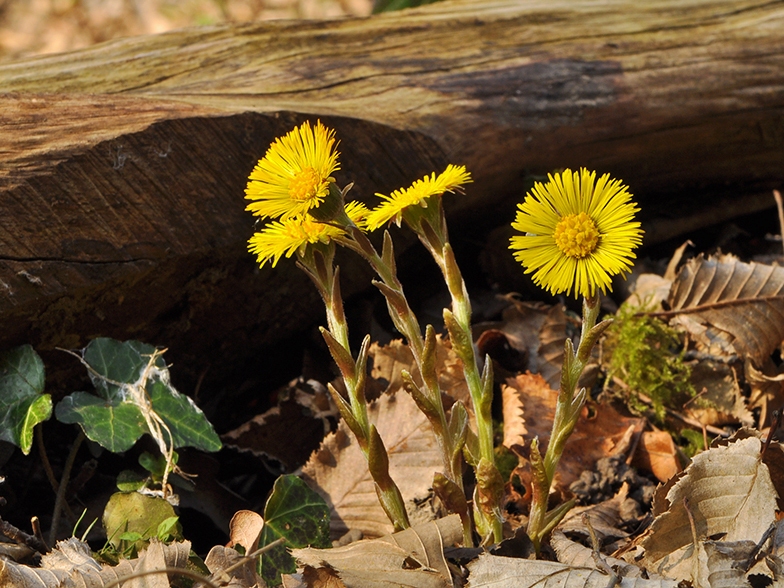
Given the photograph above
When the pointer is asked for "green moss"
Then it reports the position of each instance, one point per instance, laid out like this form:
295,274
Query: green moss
643,352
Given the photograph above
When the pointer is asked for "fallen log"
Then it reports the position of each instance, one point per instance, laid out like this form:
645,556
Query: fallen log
122,166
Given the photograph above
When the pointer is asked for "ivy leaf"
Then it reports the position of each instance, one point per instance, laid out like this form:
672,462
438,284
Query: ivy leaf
113,419
22,402
299,514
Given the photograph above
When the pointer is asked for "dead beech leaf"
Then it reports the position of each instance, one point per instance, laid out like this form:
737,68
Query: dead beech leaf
390,360
514,417
729,493
338,470
649,291
767,389
304,407
509,572
550,354
603,517
656,453
221,558
592,439
723,401
575,554
730,307
414,557
723,562
244,529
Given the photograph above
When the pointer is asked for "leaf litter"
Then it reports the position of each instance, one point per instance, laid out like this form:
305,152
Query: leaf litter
713,523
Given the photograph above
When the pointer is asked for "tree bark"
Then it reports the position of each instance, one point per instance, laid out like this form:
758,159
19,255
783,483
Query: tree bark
122,166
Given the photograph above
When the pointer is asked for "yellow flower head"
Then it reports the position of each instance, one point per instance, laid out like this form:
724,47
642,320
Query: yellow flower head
295,173
285,237
450,180
579,232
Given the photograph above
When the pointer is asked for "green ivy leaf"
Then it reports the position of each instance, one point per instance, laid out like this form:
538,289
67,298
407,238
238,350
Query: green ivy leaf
299,514
113,420
22,402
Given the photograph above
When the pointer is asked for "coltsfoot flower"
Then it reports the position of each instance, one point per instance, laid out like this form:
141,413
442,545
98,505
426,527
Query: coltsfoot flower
579,232
394,205
285,237
294,175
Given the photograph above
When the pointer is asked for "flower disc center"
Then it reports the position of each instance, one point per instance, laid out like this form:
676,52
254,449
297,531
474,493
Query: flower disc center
576,235
304,185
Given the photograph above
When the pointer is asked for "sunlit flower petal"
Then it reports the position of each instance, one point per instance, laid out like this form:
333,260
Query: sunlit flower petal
392,207
285,237
578,232
294,175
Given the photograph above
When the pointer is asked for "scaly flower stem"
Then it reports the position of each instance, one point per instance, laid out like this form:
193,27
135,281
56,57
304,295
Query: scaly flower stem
567,412
431,229
317,263
423,350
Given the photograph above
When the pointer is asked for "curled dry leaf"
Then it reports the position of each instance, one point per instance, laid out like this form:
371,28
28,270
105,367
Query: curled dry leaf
338,470
221,558
71,564
244,529
723,402
730,307
729,493
605,518
656,453
414,558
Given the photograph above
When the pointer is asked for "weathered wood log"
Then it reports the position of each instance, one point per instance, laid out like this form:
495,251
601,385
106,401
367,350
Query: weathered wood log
122,166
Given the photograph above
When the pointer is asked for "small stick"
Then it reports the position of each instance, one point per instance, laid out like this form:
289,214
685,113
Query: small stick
20,536
58,504
780,206
773,428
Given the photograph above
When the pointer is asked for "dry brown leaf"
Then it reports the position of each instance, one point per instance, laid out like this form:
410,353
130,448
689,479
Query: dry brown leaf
304,407
338,470
592,439
390,360
729,494
649,291
514,417
508,572
71,564
603,517
723,562
730,307
767,389
656,453
575,554
414,557
723,402
520,323
321,578
221,558
244,529
550,353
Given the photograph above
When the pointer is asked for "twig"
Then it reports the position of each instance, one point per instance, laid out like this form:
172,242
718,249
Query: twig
58,505
35,524
780,206
39,438
773,428
20,536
